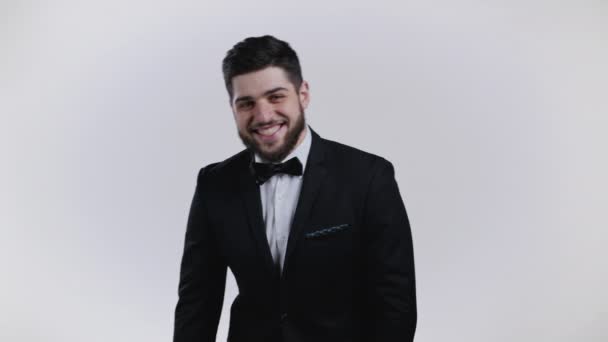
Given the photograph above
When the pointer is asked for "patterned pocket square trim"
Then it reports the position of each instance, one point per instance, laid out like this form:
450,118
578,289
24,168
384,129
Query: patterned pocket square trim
327,231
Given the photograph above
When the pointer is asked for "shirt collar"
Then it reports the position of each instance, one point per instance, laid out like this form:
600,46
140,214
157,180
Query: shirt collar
300,151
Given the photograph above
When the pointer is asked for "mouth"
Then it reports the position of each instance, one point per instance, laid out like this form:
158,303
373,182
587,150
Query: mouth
268,133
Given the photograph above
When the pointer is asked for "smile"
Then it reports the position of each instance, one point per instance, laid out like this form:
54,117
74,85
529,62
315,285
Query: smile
271,133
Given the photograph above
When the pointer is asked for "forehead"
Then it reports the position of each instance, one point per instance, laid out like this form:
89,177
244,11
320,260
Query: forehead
257,82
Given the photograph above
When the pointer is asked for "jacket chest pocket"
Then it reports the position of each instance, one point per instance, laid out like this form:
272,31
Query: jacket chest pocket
331,241
327,232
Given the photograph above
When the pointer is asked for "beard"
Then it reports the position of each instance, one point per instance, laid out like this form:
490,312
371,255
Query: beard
289,143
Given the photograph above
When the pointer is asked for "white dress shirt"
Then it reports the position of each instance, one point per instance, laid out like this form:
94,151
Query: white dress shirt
280,195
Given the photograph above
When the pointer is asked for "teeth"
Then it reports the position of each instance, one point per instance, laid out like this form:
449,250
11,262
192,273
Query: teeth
269,131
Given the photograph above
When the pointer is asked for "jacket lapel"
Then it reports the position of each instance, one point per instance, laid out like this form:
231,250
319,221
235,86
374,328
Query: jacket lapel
311,183
253,206
312,179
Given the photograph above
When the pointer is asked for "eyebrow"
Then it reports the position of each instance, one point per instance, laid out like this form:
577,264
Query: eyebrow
268,92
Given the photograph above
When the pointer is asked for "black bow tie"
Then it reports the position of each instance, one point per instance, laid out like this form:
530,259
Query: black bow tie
263,171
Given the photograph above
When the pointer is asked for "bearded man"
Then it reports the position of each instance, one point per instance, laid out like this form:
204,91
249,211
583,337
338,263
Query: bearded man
314,231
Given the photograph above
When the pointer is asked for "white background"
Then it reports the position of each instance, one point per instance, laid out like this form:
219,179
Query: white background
494,114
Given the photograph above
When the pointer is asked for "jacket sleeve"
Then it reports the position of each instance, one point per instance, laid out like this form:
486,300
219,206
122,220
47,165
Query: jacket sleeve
202,275
391,293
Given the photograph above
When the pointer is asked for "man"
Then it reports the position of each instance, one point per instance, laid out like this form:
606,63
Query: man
314,231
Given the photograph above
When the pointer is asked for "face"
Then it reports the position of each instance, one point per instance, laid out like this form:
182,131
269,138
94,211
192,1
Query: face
269,112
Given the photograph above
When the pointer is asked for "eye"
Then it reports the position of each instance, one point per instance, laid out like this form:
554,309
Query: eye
276,97
245,105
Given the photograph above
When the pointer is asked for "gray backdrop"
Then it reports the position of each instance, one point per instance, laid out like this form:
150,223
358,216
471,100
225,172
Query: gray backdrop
494,114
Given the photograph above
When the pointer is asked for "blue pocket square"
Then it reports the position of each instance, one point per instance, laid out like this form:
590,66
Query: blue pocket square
326,231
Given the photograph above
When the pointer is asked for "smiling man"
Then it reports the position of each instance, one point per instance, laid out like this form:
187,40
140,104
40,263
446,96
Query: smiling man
314,231
269,112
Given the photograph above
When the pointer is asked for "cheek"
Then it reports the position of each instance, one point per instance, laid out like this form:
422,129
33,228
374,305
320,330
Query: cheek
290,110
242,120
242,125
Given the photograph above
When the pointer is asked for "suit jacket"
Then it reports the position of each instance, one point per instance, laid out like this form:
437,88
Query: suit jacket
349,267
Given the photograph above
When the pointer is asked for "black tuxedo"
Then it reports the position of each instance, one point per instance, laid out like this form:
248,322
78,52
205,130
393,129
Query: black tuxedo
349,267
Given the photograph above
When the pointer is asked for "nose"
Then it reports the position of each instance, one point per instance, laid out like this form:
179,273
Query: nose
263,112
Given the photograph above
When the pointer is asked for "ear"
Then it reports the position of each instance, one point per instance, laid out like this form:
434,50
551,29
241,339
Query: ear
304,94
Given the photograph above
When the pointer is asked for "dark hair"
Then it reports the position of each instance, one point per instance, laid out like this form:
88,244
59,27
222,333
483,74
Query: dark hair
256,53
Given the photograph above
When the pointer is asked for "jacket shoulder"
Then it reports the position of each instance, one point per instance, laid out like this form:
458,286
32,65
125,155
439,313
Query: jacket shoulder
226,169
343,154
